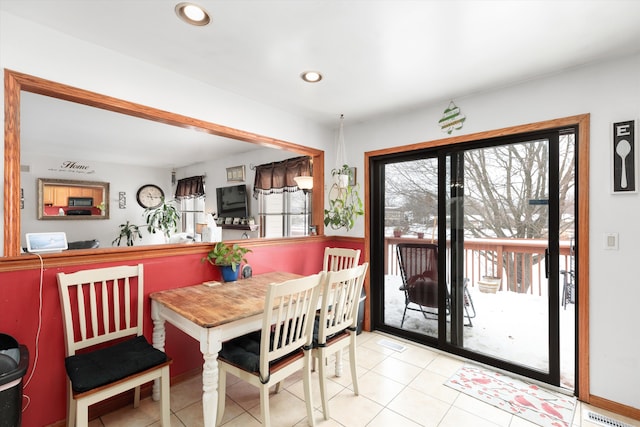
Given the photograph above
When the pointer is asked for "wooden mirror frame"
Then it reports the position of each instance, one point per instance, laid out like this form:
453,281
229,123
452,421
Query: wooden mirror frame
15,82
69,183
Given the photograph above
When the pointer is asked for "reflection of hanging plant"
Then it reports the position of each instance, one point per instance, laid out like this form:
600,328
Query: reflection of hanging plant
164,218
345,204
129,232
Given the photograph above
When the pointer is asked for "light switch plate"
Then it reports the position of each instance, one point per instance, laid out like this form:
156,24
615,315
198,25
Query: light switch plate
611,241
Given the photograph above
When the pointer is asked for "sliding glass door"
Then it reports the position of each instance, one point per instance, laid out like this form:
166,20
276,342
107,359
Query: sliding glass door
471,241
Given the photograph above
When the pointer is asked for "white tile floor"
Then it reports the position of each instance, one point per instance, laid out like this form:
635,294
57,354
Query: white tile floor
396,389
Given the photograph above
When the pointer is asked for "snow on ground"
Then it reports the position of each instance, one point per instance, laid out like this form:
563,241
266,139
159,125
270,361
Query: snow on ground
507,325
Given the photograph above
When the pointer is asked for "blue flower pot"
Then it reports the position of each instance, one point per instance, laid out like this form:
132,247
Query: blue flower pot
228,275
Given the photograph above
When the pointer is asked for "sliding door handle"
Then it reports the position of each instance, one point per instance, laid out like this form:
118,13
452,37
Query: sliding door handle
546,262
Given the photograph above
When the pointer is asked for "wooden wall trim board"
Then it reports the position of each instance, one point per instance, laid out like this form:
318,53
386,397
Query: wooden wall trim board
582,183
618,408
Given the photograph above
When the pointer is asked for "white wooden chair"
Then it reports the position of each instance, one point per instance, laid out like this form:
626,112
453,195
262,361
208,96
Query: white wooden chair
99,307
336,259
337,322
280,349
340,258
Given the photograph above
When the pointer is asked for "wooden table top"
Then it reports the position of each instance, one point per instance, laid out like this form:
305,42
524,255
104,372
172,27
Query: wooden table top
209,307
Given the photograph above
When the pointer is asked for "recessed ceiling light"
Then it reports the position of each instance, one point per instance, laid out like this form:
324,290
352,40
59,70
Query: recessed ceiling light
192,14
311,76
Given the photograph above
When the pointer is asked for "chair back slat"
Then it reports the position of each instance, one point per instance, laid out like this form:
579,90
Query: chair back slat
101,305
340,258
340,301
292,306
81,312
105,307
94,309
418,259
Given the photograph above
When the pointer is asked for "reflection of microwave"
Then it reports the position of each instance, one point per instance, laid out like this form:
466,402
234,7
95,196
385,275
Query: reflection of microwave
80,201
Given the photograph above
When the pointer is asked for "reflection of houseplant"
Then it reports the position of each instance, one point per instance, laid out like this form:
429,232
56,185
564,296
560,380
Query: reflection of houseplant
228,258
344,201
164,218
129,232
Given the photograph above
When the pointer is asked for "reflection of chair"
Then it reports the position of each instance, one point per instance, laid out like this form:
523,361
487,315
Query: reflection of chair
280,349
419,269
340,258
338,321
103,306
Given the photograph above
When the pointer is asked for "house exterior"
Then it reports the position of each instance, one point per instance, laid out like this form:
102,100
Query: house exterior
609,91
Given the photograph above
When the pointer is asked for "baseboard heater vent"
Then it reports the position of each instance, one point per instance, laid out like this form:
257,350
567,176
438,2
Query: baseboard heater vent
603,420
392,345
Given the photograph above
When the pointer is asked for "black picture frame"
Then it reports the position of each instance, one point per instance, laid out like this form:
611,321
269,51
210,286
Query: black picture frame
624,158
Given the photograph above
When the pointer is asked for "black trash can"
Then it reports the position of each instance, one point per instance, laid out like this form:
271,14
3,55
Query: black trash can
14,361
363,297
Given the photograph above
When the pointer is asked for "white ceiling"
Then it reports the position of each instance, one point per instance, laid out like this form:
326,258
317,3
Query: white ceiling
377,57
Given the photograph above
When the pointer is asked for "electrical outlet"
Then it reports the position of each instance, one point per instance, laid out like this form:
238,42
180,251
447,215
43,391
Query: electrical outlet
611,241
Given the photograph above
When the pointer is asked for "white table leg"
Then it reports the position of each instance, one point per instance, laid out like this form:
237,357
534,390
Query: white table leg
210,389
158,340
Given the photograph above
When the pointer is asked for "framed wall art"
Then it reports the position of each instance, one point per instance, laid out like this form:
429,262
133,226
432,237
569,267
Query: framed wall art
352,176
624,158
236,174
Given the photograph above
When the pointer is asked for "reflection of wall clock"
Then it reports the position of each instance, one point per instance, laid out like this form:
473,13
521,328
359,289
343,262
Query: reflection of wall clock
150,196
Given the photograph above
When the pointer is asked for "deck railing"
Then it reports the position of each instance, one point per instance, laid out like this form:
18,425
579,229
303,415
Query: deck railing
519,262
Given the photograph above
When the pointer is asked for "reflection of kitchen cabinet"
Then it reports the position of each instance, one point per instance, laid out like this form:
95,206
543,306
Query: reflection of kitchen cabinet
58,195
47,196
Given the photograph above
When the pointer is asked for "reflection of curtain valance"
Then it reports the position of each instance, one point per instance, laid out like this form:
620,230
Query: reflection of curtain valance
190,187
278,177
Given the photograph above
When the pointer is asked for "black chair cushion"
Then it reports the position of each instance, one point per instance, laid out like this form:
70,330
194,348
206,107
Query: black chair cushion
96,368
243,351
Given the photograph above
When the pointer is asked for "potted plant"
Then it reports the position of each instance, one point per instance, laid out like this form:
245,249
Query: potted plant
489,284
129,232
228,258
397,232
345,204
164,218
341,176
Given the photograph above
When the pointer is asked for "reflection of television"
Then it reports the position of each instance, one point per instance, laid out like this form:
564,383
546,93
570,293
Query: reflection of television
232,201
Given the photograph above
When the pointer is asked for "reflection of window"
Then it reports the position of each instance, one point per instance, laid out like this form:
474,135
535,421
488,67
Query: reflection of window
190,193
192,211
282,209
282,214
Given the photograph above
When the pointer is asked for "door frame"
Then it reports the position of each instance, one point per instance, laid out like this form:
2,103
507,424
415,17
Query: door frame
582,229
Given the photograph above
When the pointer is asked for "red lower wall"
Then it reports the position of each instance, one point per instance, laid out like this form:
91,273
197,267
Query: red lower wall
19,307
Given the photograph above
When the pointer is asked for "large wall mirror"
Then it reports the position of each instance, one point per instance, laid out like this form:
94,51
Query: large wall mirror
66,199
21,88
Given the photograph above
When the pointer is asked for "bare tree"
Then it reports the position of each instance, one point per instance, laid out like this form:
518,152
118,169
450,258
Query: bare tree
505,189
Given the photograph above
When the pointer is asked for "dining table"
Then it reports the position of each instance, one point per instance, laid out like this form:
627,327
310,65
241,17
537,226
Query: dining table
212,313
